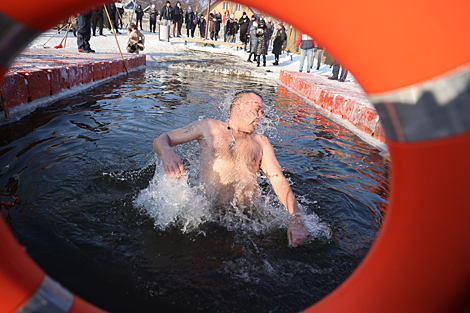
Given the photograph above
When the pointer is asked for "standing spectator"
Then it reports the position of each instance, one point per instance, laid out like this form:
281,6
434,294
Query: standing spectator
262,47
306,47
189,20
236,30
153,18
177,16
136,39
167,13
194,24
344,73
224,21
253,18
270,29
84,32
139,14
97,20
217,25
279,38
230,28
181,21
320,50
213,25
112,16
120,11
253,41
202,26
244,22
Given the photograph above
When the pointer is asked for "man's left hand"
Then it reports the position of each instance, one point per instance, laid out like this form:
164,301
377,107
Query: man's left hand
297,232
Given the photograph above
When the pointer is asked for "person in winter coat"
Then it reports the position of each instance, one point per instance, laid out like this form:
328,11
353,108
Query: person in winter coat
177,17
112,11
279,38
97,20
120,11
253,41
344,73
217,24
139,14
194,24
244,22
230,28
224,21
136,39
213,26
262,47
320,51
270,29
236,30
153,18
84,32
189,20
306,47
166,13
202,26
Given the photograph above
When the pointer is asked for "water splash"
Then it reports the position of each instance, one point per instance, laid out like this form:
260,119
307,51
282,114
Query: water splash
182,203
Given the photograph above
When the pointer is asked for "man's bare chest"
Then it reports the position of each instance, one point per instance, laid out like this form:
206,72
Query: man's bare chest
240,152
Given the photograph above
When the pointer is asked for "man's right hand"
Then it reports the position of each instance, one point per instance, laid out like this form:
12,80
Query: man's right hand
172,163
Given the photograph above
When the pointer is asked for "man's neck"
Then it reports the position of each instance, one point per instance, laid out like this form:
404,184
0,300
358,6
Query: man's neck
236,131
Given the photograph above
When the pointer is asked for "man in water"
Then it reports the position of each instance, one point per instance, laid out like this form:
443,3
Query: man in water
231,157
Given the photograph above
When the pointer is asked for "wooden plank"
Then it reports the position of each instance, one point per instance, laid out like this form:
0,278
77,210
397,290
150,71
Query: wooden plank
211,42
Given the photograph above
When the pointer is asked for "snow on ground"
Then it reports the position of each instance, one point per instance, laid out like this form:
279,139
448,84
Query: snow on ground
224,59
176,51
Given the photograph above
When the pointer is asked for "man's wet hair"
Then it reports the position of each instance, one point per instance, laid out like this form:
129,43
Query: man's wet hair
240,94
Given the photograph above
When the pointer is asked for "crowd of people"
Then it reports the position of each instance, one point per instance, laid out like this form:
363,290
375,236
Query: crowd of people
256,34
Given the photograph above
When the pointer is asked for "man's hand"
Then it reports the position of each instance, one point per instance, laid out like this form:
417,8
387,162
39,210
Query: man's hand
297,232
172,163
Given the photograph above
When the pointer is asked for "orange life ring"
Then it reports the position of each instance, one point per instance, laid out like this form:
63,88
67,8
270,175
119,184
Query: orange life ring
409,56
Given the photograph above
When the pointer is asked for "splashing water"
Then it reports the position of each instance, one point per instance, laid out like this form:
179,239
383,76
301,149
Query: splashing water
182,203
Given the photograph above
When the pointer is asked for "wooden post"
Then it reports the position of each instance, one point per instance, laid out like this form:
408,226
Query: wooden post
207,17
112,28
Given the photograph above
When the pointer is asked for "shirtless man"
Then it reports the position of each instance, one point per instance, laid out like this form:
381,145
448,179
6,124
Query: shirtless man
231,157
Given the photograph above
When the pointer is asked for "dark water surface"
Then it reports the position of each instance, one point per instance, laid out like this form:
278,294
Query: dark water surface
88,200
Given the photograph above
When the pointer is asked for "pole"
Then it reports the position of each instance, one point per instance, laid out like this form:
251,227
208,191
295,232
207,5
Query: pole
112,28
66,25
207,17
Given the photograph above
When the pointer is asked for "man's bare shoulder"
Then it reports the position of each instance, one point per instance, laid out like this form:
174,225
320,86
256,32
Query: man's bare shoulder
263,140
203,126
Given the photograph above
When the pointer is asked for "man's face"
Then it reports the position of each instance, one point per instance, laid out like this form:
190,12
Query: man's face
167,4
251,112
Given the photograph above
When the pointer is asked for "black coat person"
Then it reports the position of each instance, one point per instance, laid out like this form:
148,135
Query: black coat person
84,32
120,11
153,14
139,14
97,20
112,12
166,12
189,20
202,26
244,22
279,38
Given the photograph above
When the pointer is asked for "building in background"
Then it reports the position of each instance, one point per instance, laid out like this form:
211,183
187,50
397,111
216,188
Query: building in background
234,8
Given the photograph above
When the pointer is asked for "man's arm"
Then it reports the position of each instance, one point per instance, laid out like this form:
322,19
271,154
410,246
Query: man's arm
162,145
297,233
